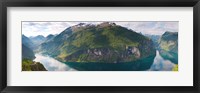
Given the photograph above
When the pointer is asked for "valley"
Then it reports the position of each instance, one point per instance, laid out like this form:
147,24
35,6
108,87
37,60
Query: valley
102,47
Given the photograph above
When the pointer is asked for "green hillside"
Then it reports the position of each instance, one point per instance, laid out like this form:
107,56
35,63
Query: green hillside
28,65
169,46
105,42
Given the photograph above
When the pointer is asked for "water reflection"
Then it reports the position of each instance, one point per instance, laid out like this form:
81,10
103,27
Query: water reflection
139,65
156,64
51,64
172,56
161,64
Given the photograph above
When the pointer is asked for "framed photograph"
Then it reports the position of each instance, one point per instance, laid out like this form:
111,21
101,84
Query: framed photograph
131,46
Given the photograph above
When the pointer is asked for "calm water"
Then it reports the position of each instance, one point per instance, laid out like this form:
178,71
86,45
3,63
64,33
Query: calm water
161,64
52,64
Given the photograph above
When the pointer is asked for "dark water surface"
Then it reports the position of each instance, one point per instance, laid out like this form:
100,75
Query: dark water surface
156,63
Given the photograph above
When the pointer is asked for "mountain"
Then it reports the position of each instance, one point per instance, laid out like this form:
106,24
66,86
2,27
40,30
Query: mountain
27,53
27,42
51,47
154,38
37,40
104,43
169,42
49,37
29,65
168,46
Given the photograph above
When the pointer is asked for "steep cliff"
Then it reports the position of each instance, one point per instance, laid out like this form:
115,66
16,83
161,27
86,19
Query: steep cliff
168,46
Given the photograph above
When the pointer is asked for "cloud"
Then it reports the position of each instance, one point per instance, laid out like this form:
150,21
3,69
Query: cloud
43,28
149,27
156,28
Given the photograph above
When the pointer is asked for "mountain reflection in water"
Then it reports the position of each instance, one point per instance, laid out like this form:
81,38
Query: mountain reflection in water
161,64
52,64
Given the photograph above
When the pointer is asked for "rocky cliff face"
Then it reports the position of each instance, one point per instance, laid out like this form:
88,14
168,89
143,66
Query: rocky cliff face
104,55
105,42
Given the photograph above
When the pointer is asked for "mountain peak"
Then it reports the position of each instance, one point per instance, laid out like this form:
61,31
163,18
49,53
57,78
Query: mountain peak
40,36
170,36
23,35
81,24
50,35
170,33
105,24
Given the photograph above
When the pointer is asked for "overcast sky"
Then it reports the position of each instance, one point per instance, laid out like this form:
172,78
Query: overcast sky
46,28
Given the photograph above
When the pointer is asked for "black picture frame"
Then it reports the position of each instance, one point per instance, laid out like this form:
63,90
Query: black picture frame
101,3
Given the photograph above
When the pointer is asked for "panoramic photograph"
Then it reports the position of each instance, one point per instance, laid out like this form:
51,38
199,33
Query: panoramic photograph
100,46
